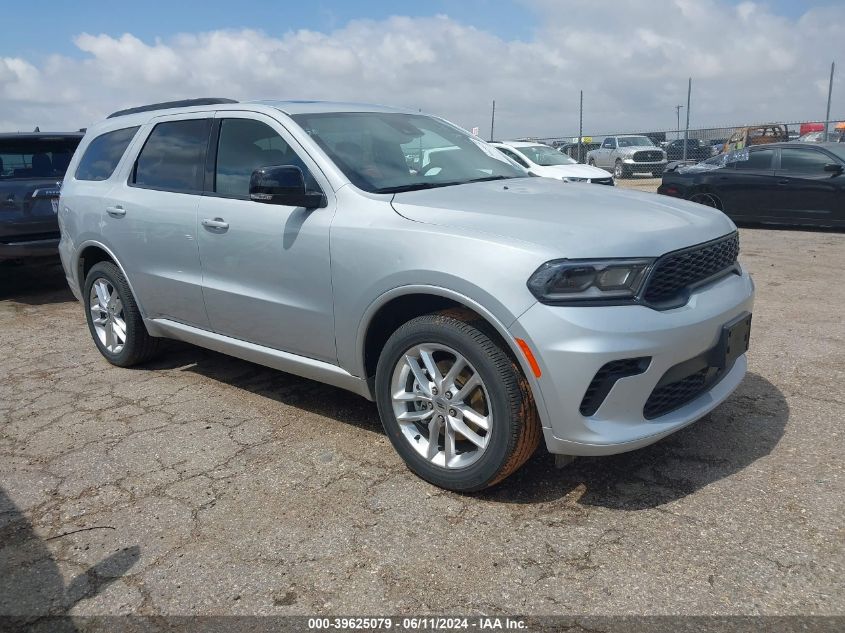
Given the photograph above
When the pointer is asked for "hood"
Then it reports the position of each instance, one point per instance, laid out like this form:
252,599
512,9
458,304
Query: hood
569,220
569,171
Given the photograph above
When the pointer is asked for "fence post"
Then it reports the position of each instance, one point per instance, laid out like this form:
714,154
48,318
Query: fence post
581,130
686,129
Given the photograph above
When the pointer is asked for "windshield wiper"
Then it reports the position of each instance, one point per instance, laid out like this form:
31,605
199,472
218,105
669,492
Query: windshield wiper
432,185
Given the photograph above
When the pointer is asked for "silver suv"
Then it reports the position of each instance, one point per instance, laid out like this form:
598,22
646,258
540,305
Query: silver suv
627,155
481,308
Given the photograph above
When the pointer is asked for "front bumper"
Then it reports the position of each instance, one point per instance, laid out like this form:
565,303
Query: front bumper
572,343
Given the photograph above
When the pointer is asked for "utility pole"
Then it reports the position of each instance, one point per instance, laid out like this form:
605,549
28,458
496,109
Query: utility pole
493,122
686,129
678,115
827,114
581,129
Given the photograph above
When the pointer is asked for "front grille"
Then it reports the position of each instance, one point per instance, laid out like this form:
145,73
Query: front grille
648,156
675,273
606,377
602,181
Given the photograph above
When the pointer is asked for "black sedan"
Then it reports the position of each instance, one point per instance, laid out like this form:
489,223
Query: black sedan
779,183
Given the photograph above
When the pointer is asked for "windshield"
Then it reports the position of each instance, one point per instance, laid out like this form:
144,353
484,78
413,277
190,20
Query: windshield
392,152
544,155
635,141
35,157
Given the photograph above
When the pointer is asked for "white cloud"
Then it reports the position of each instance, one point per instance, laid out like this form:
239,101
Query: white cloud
631,60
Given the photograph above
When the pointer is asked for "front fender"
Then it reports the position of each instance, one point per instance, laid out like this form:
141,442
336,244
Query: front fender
501,327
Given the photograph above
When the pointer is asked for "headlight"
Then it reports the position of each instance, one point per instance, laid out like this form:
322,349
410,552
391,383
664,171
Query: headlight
567,179
569,281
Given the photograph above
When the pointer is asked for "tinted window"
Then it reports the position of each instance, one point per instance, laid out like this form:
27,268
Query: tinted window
609,143
35,157
761,159
246,145
805,161
173,157
103,154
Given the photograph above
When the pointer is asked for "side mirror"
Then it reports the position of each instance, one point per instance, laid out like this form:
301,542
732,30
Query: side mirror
285,185
834,167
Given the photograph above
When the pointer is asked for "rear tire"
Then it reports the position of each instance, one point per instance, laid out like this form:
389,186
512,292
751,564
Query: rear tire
113,318
437,401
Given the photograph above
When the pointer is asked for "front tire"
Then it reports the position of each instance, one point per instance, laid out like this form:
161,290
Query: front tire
113,318
454,403
619,170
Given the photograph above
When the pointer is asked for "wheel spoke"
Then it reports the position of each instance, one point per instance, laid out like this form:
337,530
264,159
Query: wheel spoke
118,305
467,388
109,327
410,396
468,433
119,330
424,382
449,450
414,416
433,438
456,368
103,294
473,416
428,360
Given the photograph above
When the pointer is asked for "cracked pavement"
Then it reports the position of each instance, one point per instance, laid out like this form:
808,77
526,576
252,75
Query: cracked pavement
202,484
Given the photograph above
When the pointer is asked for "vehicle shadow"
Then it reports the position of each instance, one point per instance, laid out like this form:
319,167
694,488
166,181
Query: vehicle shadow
289,389
740,431
33,592
38,282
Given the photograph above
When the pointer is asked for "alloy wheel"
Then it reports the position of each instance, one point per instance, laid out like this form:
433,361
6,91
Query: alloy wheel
107,315
442,405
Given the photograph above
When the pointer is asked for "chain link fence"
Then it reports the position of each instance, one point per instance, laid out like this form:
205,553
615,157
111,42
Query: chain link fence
703,142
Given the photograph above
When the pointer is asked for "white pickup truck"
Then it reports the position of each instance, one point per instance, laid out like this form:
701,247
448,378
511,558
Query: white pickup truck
627,155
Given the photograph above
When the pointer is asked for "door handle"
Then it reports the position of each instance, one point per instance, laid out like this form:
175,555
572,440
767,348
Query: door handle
216,223
116,211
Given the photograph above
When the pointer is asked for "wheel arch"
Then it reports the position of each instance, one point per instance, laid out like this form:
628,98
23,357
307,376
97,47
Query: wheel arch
93,252
400,305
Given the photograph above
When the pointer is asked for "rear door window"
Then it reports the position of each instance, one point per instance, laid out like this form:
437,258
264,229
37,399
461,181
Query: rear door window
173,158
104,153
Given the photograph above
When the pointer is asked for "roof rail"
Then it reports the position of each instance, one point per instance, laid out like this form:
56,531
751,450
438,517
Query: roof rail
171,104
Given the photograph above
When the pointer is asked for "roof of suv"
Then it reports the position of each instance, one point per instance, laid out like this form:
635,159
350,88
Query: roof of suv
288,107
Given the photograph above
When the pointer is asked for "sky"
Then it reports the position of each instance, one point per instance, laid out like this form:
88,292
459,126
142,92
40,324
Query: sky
64,65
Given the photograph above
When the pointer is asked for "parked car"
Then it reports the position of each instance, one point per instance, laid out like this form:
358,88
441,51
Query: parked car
479,307
545,161
571,150
717,145
756,135
783,183
31,169
696,150
627,155
834,136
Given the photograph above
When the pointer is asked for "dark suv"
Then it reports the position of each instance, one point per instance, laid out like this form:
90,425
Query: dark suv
31,170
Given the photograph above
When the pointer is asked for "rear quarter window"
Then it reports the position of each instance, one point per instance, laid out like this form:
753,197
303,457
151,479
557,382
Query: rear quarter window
103,154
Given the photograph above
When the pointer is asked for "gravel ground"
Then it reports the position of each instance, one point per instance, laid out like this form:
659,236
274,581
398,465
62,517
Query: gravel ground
201,484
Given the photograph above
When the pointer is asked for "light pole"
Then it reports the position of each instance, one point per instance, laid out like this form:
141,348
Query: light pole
678,115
